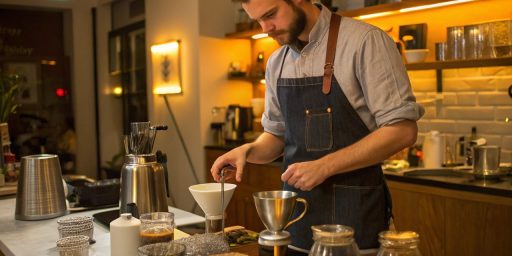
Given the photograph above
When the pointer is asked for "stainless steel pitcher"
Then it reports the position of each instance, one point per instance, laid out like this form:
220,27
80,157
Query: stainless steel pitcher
143,182
40,192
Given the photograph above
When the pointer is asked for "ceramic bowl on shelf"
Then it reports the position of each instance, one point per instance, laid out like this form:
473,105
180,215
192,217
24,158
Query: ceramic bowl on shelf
416,55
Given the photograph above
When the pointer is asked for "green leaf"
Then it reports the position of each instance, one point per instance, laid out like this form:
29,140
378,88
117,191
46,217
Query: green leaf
9,88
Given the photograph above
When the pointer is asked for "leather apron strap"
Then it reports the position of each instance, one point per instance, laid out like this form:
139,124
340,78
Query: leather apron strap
331,50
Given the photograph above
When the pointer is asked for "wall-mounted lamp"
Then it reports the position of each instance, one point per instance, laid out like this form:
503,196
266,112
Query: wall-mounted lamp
166,68
167,81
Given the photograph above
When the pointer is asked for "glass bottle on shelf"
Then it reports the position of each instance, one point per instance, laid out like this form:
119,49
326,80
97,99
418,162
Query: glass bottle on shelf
394,243
333,240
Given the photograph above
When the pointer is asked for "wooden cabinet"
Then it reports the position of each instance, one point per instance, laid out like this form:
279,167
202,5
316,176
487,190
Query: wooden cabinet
452,222
241,209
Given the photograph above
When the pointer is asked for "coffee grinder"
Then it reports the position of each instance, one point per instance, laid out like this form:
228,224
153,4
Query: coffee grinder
275,209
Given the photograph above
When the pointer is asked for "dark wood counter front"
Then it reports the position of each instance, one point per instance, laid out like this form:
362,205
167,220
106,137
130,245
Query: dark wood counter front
451,219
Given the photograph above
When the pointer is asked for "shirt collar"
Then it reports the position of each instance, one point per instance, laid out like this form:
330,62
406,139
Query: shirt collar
322,25
320,28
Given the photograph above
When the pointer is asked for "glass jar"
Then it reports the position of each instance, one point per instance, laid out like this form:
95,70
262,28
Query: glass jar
333,240
156,227
501,38
393,243
455,43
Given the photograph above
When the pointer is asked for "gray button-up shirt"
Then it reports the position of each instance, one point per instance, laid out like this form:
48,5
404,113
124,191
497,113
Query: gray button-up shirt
367,66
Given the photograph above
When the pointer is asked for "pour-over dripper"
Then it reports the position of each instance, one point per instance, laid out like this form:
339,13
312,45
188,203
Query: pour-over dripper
208,197
275,209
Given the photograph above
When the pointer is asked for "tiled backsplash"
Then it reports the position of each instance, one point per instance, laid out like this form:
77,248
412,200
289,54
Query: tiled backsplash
471,97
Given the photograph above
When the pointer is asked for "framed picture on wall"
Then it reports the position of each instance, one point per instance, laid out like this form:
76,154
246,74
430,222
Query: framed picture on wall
29,86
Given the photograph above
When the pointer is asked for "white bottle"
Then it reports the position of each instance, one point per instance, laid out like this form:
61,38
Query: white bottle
433,150
124,235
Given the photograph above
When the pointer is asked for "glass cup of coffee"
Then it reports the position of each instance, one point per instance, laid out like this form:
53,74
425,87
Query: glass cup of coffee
156,227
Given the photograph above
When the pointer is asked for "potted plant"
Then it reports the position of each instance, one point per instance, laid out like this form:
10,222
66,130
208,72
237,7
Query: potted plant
9,87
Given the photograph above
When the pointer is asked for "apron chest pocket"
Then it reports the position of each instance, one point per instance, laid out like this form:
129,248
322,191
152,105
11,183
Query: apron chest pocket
318,130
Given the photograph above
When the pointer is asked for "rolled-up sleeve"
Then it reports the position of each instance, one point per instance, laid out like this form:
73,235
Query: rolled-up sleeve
384,80
272,119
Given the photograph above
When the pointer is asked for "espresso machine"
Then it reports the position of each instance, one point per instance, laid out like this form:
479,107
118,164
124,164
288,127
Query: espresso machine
238,121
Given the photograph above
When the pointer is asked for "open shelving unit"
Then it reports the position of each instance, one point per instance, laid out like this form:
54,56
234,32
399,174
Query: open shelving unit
474,63
438,66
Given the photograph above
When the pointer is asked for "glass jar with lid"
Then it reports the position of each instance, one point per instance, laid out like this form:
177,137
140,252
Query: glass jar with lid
394,243
333,240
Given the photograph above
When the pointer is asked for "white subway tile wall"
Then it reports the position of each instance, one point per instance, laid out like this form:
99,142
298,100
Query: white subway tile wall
471,97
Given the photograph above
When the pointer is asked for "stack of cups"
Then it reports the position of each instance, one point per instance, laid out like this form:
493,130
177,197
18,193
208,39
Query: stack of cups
75,226
73,246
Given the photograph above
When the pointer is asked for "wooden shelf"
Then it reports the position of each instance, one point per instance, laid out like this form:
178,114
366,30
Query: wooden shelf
244,34
388,7
507,61
251,79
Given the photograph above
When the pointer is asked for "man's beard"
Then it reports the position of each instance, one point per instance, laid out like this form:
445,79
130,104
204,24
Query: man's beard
296,28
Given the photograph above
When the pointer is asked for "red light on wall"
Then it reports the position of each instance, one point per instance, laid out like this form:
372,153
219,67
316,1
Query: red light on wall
60,92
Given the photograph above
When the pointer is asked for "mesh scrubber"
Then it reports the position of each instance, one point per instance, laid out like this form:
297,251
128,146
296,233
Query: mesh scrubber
204,244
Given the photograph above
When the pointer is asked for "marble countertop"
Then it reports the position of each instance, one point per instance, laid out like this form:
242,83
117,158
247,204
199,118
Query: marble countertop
8,189
38,237
445,178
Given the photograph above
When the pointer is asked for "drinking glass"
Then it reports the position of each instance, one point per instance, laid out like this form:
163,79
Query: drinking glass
474,38
486,160
441,48
156,227
456,47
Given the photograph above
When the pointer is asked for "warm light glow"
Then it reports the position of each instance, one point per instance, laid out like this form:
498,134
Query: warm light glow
258,36
166,48
117,91
410,9
49,62
166,68
375,15
423,7
167,89
262,81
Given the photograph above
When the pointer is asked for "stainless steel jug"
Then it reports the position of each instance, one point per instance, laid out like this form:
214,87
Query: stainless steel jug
143,182
40,192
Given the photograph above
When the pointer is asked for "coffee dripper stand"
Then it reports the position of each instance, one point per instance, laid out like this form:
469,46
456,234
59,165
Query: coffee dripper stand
275,239
207,196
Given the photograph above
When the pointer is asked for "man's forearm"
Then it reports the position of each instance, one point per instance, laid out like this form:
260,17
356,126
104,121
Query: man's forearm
266,148
372,149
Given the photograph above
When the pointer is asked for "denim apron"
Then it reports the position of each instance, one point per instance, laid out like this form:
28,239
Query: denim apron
319,123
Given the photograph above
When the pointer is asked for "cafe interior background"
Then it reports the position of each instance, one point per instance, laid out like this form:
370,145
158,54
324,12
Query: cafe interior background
71,52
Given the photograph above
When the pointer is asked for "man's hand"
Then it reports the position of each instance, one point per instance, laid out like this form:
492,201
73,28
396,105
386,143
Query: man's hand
264,149
234,159
305,175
